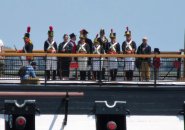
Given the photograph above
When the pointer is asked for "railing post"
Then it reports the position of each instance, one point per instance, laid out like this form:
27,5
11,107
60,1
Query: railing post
179,69
100,78
155,75
45,76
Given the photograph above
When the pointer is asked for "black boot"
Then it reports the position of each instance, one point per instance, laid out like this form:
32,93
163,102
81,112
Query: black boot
99,76
54,75
115,74
82,75
89,75
94,75
112,75
103,73
47,73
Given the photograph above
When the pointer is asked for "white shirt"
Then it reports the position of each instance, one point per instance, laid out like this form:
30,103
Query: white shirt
1,45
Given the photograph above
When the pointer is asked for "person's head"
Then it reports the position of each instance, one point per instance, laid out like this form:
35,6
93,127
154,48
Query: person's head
84,33
96,42
156,51
82,39
128,34
113,37
33,64
27,35
113,40
128,37
73,37
145,41
50,34
65,37
26,40
1,43
102,32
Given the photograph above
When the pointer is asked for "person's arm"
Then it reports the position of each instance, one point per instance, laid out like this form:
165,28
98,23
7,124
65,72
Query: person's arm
123,47
32,72
88,49
45,46
59,48
134,48
90,46
55,46
138,50
69,49
107,48
29,48
118,48
2,51
149,50
102,50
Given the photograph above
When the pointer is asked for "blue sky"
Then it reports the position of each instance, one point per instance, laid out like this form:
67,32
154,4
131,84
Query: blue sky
162,21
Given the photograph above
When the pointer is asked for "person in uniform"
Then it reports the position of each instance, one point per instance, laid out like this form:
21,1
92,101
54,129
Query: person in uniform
96,61
83,48
90,43
113,47
64,62
73,42
27,71
73,64
129,47
144,48
1,57
103,42
156,63
50,46
27,48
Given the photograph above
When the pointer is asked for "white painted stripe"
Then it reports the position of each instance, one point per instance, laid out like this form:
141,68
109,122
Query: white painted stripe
82,122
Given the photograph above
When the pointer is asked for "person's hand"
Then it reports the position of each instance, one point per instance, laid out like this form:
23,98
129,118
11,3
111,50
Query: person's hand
129,52
53,51
133,51
19,51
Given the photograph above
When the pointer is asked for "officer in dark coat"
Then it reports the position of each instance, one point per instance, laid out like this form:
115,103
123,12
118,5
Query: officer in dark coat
103,42
83,48
90,43
50,46
64,62
144,48
129,47
113,47
28,46
96,61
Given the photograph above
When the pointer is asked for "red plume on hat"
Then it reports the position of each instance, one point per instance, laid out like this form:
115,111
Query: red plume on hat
112,34
51,28
127,32
96,39
96,35
50,32
28,29
112,31
127,29
27,34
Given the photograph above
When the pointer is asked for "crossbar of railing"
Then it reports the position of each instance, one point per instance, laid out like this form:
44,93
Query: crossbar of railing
40,94
93,55
42,51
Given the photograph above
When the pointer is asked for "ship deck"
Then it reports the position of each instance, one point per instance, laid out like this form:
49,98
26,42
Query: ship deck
150,83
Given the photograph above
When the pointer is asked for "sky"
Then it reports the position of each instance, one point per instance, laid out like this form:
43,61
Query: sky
162,21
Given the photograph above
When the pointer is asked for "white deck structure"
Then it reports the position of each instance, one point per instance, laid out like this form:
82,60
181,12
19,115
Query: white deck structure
84,122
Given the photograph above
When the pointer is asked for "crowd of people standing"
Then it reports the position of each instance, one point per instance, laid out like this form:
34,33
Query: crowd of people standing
93,68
